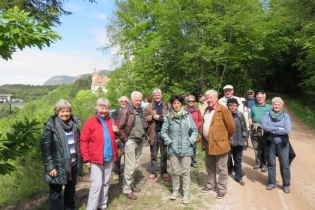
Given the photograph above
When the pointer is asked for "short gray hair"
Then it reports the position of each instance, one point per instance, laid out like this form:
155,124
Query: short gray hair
191,97
135,93
62,103
102,102
211,92
277,99
123,97
261,93
156,90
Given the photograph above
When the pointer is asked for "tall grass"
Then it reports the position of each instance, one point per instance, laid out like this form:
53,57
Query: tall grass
26,181
305,112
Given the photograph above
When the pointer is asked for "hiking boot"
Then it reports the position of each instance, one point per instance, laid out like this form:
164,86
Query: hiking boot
257,166
286,189
206,190
166,177
151,177
270,187
185,199
220,195
241,182
130,196
173,196
264,168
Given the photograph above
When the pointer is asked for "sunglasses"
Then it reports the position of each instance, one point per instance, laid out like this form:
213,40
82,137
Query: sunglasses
249,93
191,101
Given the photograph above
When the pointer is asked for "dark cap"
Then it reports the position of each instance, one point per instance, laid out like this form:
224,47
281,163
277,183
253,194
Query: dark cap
232,101
250,91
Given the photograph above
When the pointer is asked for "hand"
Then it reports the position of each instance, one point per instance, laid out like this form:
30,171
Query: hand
88,165
115,129
69,176
280,128
256,125
53,173
245,144
156,117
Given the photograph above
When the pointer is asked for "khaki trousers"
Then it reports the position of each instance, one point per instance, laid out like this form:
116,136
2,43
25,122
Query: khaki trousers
211,161
180,164
132,158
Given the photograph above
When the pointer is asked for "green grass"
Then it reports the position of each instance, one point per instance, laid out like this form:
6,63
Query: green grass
304,112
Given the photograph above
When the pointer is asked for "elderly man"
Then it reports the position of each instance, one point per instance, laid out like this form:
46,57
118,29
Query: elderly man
228,93
123,101
255,117
250,100
132,124
154,114
202,104
216,131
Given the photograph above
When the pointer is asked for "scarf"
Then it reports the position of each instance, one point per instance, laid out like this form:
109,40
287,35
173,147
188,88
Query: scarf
241,117
62,128
139,111
191,109
176,115
276,116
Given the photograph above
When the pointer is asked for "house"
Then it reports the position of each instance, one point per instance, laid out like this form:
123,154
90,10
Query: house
5,97
99,81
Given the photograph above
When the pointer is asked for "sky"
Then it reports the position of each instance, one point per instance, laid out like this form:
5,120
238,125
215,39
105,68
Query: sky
77,53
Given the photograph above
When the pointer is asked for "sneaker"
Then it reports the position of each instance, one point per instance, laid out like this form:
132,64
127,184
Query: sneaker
166,177
151,177
241,182
185,199
173,196
116,176
270,187
286,189
257,166
264,168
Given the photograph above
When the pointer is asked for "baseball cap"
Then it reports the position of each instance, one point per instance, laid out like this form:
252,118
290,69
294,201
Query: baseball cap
250,91
228,87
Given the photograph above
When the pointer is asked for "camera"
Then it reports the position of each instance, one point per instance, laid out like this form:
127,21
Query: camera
161,117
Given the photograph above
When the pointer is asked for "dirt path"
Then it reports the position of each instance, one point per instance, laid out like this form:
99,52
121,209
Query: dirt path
255,196
251,196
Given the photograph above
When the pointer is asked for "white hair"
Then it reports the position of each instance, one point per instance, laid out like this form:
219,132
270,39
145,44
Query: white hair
156,90
102,102
123,97
277,99
211,92
61,104
134,93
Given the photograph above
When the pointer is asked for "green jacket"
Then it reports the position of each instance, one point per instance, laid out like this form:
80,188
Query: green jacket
53,152
175,135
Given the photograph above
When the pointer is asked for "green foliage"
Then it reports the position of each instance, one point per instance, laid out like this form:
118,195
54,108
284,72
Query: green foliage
19,30
304,111
17,144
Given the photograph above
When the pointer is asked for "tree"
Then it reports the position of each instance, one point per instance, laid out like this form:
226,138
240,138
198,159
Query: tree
19,30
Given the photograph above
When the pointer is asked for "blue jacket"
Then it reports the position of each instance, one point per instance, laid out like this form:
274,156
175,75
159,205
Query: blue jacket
175,135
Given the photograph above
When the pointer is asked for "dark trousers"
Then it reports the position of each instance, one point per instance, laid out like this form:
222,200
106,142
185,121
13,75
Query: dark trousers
54,200
256,137
117,162
158,143
282,151
193,158
236,153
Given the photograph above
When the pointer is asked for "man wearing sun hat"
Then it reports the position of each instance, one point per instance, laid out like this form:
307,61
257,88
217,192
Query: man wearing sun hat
228,93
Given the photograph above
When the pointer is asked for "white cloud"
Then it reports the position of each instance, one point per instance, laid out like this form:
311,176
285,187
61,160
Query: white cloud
35,67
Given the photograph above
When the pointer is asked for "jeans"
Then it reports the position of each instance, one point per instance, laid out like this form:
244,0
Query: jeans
158,143
193,158
237,153
54,199
282,151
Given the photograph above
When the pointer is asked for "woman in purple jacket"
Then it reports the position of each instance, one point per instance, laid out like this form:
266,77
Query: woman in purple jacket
277,125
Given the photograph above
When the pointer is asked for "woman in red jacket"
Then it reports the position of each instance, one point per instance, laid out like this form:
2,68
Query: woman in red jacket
99,150
196,115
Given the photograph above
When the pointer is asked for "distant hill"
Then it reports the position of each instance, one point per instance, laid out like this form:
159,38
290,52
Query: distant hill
63,79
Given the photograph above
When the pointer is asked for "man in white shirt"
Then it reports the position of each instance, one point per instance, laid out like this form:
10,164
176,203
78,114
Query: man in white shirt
228,93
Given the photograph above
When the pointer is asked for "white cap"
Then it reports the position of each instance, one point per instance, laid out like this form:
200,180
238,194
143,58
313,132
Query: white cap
242,99
228,87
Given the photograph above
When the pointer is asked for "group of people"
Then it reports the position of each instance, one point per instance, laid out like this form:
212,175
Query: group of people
174,129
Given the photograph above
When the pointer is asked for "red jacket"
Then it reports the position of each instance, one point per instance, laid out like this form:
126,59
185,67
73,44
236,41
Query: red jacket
92,140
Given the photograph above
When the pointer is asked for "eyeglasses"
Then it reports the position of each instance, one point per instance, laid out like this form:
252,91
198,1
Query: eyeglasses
123,101
249,93
191,101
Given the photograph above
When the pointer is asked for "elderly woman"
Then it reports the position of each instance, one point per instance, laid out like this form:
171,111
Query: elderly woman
238,140
60,147
179,133
196,115
99,150
277,125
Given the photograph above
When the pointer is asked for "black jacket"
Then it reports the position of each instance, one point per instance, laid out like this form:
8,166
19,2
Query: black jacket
53,152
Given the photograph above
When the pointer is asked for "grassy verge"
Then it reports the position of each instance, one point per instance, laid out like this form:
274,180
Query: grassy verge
305,112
